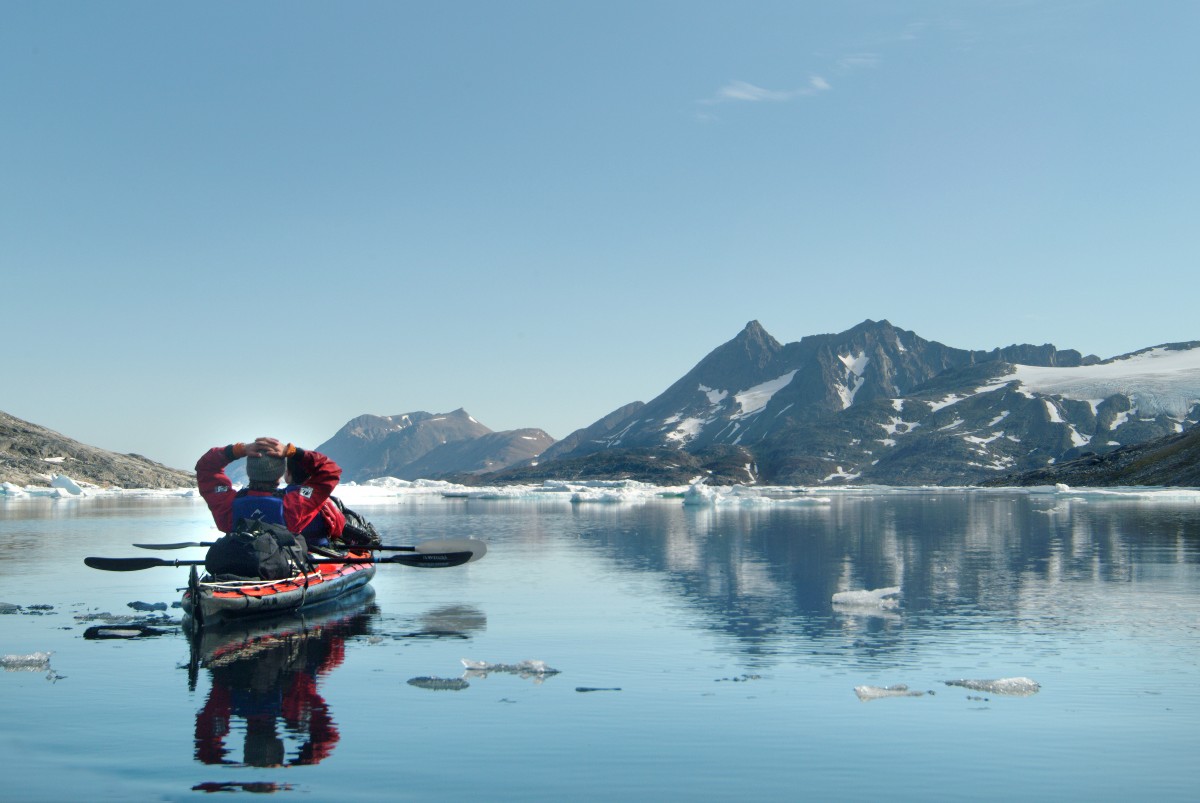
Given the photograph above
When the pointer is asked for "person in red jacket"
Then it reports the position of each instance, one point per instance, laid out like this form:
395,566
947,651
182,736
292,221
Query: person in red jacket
303,505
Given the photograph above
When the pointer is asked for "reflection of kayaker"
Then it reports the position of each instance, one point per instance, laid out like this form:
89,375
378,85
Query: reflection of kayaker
266,674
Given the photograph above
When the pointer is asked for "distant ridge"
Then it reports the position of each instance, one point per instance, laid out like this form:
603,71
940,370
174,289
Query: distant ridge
33,455
421,445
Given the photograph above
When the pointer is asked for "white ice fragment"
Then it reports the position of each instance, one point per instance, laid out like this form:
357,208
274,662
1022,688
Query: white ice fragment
867,693
1017,687
67,484
885,598
33,662
524,668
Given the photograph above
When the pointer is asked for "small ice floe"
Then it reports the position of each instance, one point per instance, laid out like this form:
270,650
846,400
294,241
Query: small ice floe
868,693
148,606
885,599
33,662
1016,687
525,669
439,684
121,631
8,607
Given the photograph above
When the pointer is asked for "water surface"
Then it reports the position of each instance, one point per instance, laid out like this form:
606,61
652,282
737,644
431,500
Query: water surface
698,650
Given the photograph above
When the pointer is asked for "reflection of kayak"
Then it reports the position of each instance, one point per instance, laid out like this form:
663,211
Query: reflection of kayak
265,675
207,601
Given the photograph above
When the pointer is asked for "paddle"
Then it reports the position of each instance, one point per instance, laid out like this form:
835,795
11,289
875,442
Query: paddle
431,560
477,548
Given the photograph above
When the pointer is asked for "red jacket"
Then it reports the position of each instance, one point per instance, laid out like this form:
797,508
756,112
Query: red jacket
301,503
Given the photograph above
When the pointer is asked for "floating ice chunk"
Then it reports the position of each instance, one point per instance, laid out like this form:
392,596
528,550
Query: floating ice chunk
33,662
525,669
439,684
67,484
698,495
8,489
868,693
1017,687
881,598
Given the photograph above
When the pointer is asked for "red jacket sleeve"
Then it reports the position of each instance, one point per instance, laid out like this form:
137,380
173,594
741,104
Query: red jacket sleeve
301,503
215,485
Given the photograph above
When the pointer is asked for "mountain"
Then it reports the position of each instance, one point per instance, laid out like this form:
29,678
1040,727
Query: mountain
34,455
423,445
879,404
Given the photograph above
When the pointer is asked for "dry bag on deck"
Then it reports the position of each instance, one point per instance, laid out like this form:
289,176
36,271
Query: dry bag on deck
358,531
257,551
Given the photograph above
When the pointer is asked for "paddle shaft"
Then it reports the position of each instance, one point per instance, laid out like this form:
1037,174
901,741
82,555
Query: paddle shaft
433,560
432,547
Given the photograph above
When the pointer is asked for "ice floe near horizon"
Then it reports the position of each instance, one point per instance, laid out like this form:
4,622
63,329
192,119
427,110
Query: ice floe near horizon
697,495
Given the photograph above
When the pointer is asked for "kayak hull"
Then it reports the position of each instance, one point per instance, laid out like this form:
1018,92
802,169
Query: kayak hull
207,602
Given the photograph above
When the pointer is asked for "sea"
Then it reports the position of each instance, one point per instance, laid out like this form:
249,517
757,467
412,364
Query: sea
625,642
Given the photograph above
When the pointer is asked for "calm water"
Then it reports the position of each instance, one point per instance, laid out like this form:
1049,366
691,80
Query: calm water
720,669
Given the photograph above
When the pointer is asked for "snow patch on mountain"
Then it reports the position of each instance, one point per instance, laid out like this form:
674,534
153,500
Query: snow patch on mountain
856,367
1159,380
756,398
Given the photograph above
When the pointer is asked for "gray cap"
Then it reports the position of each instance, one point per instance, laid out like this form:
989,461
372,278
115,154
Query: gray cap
264,469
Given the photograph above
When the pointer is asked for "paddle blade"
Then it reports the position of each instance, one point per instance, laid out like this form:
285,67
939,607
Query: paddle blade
125,564
430,560
180,545
477,548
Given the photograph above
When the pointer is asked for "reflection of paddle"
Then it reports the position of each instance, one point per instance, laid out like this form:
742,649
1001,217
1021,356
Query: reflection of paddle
421,560
477,548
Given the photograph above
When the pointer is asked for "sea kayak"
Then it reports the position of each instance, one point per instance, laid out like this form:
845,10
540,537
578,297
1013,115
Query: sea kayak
207,601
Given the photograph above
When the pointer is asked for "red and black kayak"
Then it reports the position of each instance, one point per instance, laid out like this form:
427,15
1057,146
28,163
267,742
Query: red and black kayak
209,601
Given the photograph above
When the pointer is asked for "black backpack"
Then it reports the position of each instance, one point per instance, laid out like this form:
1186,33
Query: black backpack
358,531
256,550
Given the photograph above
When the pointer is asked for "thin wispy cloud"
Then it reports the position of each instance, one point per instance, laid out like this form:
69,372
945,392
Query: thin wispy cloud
745,92
858,61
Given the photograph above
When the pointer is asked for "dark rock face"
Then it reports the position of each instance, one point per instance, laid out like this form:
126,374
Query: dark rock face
32,455
1170,461
721,465
423,445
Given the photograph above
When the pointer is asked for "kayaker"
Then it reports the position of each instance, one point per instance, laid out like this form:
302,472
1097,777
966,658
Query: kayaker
303,505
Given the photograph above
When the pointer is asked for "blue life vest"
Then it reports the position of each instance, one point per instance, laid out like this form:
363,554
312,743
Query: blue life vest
269,510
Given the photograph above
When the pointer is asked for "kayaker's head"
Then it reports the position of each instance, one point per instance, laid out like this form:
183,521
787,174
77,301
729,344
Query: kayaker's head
264,473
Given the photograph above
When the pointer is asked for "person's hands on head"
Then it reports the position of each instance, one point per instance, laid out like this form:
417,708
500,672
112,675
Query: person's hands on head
266,447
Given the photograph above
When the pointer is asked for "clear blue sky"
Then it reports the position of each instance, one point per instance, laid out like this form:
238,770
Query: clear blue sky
220,220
